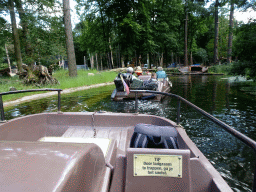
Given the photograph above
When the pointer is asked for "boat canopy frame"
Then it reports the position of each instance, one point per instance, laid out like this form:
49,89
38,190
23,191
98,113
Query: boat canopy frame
248,141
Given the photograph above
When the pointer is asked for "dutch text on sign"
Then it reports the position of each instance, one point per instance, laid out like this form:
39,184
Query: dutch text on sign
157,165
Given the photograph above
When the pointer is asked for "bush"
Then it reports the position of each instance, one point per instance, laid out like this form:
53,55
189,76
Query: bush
225,68
3,66
245,68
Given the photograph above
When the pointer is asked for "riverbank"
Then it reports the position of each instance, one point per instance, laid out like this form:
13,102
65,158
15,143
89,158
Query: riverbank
84,79
49,94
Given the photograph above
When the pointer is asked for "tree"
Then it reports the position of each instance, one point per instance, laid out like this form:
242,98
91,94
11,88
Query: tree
186,35
230,36
164,26
5,37
69,40
216,32
15,36
245,42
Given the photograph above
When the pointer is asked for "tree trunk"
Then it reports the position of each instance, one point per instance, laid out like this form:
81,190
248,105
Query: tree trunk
161,59
69,40
25,31
117,62
101,65
111,54
15,36
186,36
104,36
191,59
135,58
92,62
97,65
119,56
230,35
63,64
216,33
85,63
122,61
8,58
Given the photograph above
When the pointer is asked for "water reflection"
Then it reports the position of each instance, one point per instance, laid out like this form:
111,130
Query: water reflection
221,98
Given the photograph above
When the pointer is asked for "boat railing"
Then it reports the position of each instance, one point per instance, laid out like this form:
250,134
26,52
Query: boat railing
24,91
248,141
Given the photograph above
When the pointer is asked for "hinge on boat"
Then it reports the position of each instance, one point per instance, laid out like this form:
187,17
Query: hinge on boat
179,126
110,166
94,130
101,111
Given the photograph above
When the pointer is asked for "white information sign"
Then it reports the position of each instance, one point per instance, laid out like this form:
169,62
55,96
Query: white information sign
157,165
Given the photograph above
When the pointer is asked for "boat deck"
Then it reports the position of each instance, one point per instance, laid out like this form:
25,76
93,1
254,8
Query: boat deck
121,135
61,166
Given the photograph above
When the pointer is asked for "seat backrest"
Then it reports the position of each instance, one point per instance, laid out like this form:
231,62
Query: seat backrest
153,136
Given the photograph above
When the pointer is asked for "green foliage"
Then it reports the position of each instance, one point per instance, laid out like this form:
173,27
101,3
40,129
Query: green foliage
245,46
42,37
225,69
223,40
124,30
245,68
4,36
202,54
3,66
245,42
131,28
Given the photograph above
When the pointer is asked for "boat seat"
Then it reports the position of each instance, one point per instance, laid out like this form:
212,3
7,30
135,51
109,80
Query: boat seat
101,142
43,166
153,136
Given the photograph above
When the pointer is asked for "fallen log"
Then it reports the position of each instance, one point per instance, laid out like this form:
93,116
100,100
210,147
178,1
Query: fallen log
38,75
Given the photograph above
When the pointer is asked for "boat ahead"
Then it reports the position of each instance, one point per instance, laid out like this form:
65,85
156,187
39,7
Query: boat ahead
103,151
143,82
194,69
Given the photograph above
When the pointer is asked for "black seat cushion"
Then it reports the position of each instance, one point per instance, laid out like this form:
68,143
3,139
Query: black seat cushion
153,136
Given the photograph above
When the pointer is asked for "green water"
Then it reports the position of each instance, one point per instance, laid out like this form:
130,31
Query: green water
230,101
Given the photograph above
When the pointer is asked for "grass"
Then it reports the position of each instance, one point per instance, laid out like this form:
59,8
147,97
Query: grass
82,79
172,70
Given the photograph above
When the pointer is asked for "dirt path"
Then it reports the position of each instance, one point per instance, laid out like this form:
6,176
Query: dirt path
43,95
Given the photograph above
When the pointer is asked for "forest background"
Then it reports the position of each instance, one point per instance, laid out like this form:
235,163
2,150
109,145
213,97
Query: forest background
113,34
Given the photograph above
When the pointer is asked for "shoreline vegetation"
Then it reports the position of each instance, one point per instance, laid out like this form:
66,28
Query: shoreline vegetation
86,79
83,80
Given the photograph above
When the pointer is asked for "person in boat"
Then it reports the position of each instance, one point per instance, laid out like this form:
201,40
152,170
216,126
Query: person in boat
138,71
129,72
152,83
153,77
160,74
